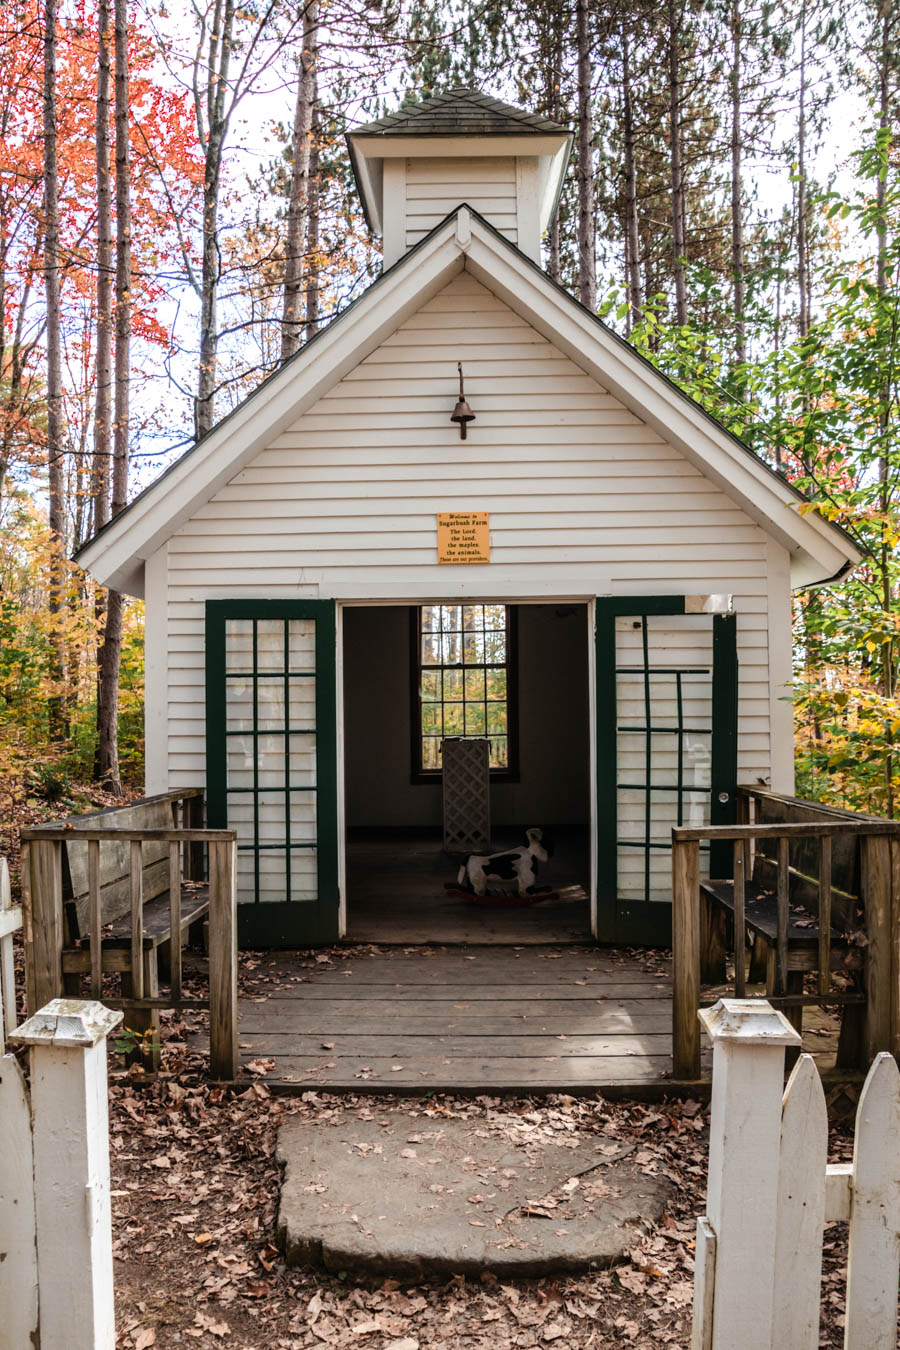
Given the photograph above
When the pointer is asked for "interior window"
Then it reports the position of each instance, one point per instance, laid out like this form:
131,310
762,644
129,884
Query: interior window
464,682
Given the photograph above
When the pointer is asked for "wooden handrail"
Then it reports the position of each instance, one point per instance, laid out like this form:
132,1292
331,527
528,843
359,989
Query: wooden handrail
814,830
69,832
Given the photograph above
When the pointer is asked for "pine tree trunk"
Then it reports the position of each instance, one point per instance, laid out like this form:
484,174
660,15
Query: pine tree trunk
219,56
632,236
301,152
105,275
553,82
111,651
676,165
737,220
888,650
802,246
587,276
312,228
55,419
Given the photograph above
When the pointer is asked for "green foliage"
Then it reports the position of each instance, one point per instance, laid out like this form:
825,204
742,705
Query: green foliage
34,645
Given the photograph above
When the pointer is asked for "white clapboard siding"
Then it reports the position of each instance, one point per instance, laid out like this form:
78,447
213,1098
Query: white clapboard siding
434,188
584,498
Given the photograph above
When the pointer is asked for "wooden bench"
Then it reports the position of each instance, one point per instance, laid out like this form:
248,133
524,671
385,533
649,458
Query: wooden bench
118,891
816,888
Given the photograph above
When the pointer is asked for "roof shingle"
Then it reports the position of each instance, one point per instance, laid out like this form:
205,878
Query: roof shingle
459,112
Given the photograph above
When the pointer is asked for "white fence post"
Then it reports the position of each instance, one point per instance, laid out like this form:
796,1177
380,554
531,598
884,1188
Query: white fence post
67,1039
749,1038
18,1252
875,1212
800,1210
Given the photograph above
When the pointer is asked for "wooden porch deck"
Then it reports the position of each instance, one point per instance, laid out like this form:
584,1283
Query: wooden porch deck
480,1019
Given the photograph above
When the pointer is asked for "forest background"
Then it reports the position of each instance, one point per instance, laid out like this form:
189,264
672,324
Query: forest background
177,217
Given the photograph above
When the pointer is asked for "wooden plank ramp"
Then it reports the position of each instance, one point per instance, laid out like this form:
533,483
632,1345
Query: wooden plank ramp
472,1020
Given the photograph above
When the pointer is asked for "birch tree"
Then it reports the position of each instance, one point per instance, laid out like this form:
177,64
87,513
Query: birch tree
111,649
295,247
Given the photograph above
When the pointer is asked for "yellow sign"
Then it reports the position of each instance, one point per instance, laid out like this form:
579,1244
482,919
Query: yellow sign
463,537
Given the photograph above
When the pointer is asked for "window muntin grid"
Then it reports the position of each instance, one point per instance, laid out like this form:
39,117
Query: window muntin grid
463,681
270,756
663,751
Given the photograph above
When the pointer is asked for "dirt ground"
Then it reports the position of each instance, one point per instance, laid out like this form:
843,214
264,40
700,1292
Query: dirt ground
195,1189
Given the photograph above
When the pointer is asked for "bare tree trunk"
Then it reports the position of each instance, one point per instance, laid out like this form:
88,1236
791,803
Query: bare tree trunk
312,228
802,245
110,655
105,273
587,275
301,152
632,236
676,165
888,650
55,420
553,75
737,220
12,356
103,404
219,47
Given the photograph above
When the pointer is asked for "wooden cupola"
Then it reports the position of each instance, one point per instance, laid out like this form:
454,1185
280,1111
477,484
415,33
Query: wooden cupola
417,165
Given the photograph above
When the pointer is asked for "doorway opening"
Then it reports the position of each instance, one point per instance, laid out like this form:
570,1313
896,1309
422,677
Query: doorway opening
517,675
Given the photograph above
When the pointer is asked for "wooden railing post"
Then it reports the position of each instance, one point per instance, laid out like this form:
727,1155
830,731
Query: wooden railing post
875,887
685,958
895,947
43,922
223,1046
10,922
194,820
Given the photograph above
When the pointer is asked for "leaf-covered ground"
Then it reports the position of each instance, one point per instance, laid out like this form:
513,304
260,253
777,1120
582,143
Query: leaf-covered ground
195,1188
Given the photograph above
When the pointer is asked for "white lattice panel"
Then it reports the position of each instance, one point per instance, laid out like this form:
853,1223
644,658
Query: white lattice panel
467,794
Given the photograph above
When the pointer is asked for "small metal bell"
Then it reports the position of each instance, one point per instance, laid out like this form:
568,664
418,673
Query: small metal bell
462,413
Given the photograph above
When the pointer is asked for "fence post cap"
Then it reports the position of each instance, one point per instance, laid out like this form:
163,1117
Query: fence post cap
751,1020
68,1023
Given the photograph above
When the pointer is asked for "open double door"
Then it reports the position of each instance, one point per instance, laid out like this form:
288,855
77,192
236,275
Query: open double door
664,721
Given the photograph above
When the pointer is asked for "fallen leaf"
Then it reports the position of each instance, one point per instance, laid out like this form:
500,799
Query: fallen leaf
144,1338
207,1323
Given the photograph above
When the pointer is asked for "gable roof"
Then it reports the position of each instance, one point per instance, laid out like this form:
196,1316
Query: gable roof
820,551
459,112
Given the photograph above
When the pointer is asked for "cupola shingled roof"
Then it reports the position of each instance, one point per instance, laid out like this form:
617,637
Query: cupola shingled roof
459,112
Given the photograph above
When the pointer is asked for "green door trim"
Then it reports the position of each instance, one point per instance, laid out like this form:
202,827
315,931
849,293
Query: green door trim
291,924
645,923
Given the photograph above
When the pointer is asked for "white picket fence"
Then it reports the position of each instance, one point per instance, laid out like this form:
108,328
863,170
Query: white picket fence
56,1270
758,1261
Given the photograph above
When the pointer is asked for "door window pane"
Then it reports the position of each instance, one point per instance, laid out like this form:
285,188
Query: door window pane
663,744
270,756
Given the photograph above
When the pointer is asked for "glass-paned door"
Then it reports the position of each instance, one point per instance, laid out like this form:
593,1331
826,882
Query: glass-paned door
667,731
271,763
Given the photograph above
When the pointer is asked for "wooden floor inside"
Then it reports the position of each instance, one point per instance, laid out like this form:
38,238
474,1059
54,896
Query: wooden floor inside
504,1019
396,893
